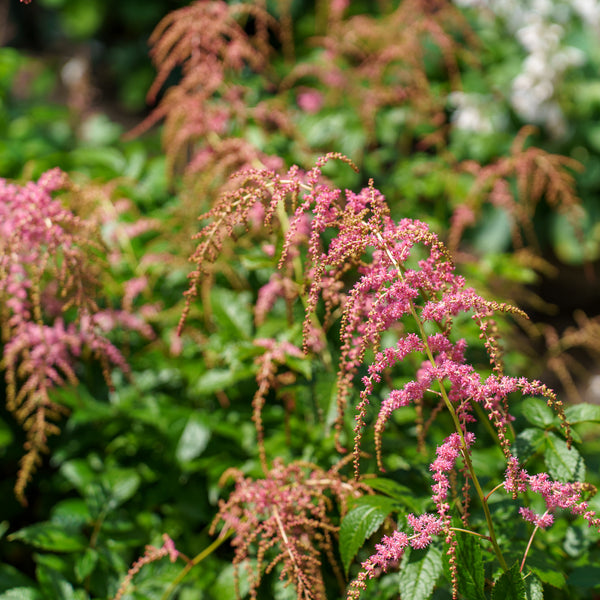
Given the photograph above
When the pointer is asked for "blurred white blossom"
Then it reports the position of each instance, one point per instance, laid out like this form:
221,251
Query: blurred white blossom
475,112
540,27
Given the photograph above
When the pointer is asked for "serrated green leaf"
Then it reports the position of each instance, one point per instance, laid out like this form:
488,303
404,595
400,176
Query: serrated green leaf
394,490
563,464
534,590
471,579
419,573
193,440
510,585
538,413
528,442
50,536
548,572
360,523
582,413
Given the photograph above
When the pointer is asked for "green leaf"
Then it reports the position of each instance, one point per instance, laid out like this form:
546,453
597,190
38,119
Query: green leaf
54,585
50,536
563,464
85,564
4,527
232,311
224,586
419,573
548,571
534,589
21,593
6,435
122,483
587,576
510,585
10,577
216,380
582,413
360,523
79,473
471,579
538,413
193,440
394,490
72,513
576,541
528,442
389,487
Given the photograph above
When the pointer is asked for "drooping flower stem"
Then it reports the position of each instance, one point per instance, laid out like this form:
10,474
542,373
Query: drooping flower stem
195,561
464,449
299,275
455,419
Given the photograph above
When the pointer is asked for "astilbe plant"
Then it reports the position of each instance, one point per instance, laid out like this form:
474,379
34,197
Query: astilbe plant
404,284
206,111
285,519
241,102
243,92
517,184
50,278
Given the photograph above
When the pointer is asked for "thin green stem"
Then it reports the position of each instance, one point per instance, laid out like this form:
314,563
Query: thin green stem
455,419
529,545
192,563
485,537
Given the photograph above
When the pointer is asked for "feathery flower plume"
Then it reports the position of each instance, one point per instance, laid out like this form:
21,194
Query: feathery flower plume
49,284
284,519
151,554
406,285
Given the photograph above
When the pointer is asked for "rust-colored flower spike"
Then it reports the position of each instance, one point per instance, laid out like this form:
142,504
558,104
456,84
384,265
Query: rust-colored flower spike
536,175
205,110
151,554
48,266
378,62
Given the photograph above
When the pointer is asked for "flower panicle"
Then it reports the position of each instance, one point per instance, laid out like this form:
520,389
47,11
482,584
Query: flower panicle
284,519
151,554
49,269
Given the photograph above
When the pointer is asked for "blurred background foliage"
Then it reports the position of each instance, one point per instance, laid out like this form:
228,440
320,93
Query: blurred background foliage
145,457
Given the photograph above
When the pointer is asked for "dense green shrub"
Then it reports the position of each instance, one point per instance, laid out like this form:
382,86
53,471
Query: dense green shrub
320,328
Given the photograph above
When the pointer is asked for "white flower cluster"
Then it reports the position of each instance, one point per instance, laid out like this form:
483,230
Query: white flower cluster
475,112
540,26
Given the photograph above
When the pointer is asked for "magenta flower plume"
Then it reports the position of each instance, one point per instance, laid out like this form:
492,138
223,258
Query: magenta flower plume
399,310
49,269
555,494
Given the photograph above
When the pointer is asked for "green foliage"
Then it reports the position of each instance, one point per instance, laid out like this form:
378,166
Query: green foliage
470,567
146,456
361,522
419,573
